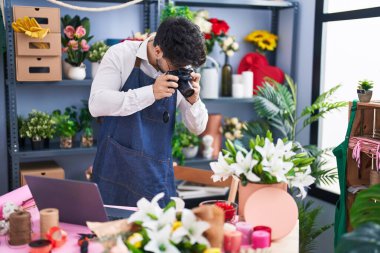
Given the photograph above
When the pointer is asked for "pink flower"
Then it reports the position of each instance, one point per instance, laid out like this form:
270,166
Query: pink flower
80,32
85,47
69,31
64,49
73,44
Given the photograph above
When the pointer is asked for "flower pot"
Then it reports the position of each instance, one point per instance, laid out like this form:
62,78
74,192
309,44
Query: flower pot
77,73
66,142
246,191
190,152
94,68
37,144
87,141
364,96
374,177
213,127
65,68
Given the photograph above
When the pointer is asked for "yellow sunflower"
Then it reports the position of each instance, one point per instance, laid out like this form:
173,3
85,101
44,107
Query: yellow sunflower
255,36
267,43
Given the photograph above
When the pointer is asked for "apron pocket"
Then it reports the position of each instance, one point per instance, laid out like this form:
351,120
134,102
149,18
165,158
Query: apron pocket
155,111
131,169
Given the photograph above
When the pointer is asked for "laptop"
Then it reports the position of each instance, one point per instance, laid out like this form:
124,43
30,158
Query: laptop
77,201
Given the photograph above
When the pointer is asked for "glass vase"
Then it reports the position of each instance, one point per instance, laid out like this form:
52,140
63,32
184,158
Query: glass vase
226,78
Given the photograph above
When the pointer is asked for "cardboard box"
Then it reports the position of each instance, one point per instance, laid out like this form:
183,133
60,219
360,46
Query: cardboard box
46,17
43,169
48,46
35,68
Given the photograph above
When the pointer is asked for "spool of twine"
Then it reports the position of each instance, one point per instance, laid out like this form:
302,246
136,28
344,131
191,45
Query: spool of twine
49,218
20,228
374,177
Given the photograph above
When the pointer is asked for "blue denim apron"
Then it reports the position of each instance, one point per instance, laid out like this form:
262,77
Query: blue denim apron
134,158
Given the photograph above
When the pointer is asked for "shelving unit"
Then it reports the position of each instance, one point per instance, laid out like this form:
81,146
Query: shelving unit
366,124
151,9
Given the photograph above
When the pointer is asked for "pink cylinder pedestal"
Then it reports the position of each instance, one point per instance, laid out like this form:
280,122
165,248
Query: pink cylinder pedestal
260,239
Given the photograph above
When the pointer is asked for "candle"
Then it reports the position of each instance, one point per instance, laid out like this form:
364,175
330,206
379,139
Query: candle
237,90
247,80
246,230
232,241
260,239
264,228
236,78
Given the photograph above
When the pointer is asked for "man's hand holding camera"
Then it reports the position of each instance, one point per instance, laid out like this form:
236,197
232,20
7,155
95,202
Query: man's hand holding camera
197,88
165,86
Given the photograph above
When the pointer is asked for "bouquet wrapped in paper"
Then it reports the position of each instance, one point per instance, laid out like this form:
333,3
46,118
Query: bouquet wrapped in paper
172,229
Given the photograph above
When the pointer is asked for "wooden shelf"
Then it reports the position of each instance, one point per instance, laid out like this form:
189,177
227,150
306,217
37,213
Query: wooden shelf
372,104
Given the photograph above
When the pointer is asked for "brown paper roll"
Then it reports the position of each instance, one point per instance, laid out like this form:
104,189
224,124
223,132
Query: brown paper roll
20,228
49,217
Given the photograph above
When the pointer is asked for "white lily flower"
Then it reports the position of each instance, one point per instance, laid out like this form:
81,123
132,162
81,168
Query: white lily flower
278,168
147,211
268,151
285,149
301,180
244,165
191,228
160,241
222,170
120,246
166,218
179,203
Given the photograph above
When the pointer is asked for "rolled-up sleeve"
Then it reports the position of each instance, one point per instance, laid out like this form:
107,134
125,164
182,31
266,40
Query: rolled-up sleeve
194,116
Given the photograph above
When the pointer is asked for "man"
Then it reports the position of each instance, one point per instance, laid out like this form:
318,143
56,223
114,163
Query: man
139,100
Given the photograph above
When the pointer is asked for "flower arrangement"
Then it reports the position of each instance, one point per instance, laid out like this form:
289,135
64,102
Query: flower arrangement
233,128
262,40
229,45
75,39
266,163
38,126
182,138
214,29
97,51
172,229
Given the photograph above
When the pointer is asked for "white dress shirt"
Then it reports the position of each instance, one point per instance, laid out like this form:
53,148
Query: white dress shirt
107,99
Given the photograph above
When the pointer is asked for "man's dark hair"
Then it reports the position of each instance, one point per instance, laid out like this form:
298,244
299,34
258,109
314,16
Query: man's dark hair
181,42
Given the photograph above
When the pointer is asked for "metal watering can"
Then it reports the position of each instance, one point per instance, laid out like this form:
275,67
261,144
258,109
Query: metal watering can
209,79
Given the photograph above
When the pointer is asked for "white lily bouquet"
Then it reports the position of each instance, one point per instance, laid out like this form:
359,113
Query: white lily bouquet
172,229
265,163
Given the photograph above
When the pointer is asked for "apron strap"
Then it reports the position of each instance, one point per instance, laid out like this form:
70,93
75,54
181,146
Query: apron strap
352,118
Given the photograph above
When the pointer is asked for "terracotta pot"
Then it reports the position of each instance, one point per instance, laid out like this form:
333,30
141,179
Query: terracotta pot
246,191
66,142
214,125
374,177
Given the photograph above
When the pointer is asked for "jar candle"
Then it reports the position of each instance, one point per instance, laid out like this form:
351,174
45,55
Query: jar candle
246,230
264,228
260,239
232,241
247,80
237,90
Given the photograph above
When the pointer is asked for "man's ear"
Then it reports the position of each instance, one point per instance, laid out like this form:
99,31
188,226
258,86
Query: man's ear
158,52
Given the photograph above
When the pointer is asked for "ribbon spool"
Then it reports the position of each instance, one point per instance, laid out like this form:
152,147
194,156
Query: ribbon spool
40,246
20,228
57,237
49,218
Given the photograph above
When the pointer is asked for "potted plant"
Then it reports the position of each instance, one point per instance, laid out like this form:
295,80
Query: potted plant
66,128
365,90
184,143
264,164
85,119
75,44
95,55
38,127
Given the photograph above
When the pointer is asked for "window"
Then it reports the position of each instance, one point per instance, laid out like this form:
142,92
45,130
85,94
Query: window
347,49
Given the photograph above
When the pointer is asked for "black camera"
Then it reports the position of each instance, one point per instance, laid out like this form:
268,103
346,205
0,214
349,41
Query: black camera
184,81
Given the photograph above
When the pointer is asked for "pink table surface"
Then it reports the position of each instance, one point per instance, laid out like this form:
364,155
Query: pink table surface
22,194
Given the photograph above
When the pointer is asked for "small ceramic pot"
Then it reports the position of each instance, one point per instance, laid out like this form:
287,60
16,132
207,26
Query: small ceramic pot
77,73
66,142
94,68
364,95
190,152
